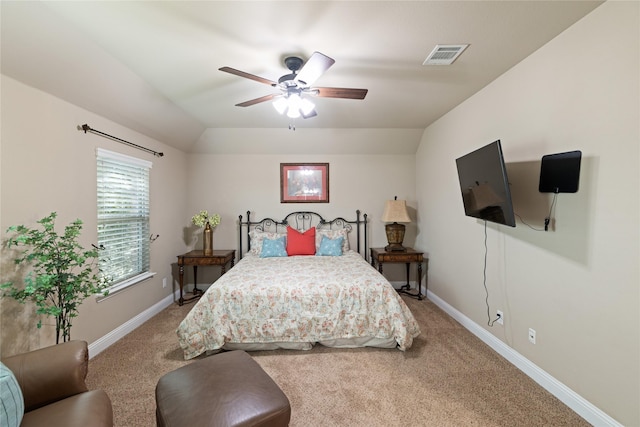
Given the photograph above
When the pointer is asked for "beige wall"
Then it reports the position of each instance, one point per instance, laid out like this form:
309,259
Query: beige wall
233,184
577,286
48,165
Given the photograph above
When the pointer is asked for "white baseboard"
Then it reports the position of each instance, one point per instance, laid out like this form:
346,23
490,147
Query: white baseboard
573,400
104,342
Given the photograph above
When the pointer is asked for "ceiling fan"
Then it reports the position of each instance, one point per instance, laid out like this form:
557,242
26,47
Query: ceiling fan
296,86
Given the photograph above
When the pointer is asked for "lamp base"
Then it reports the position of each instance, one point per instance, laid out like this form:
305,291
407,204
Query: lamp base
395,236
395,247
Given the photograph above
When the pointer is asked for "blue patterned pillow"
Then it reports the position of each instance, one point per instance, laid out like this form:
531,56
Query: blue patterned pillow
330,247
273,248
11,400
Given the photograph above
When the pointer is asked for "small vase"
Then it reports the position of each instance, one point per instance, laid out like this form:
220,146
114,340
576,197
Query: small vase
207,241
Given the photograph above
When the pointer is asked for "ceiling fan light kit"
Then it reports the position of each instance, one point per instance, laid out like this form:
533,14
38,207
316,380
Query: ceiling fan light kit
294,105
296,86
280,105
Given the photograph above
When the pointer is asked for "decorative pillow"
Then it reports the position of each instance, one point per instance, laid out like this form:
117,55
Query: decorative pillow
301,243
273,248
11,400
330,247
256,237
333,234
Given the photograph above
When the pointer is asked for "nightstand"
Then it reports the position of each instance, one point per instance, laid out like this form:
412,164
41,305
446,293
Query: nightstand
220,257
408,257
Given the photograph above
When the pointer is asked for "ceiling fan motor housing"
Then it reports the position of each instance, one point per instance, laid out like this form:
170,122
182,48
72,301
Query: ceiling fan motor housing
293,63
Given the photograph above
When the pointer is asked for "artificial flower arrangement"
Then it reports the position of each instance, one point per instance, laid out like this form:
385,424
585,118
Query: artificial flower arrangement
201,219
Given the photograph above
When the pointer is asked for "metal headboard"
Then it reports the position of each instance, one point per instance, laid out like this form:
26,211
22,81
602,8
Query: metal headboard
302,221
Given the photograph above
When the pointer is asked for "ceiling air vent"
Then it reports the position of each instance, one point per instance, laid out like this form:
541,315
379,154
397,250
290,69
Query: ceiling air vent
444,54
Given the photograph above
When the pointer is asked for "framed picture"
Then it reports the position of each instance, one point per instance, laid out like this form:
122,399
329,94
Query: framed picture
304,182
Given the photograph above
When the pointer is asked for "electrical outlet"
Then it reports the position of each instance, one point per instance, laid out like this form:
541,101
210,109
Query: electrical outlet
500,317
164,282
532,336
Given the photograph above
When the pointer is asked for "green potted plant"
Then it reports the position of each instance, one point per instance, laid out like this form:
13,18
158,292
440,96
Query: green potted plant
63,274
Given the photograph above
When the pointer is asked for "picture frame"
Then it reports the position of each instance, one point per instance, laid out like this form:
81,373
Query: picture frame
304,182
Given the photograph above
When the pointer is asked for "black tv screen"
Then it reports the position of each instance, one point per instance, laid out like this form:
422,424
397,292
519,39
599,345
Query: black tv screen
560,173
485,186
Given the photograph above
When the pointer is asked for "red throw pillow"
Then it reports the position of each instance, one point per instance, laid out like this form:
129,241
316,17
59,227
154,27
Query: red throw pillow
301,243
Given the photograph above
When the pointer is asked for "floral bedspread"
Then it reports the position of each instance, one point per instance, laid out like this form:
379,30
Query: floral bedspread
297,299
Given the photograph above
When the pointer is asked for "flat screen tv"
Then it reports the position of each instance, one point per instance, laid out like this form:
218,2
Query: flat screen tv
485,186
560,173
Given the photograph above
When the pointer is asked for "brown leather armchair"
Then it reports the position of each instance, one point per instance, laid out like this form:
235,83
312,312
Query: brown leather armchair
52,380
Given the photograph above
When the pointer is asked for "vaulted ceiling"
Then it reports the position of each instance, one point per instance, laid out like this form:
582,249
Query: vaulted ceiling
152,66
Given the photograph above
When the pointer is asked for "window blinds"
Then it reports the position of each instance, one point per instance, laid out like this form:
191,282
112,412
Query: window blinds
123,216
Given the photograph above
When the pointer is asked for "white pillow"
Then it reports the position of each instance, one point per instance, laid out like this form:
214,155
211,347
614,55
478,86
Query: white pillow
256,237
333,234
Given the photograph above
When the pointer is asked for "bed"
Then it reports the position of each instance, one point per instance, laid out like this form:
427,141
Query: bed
302,281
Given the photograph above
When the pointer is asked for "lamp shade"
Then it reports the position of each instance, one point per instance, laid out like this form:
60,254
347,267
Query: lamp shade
395,211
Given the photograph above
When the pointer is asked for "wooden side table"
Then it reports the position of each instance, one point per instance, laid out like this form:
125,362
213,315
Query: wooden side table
196,258
380,256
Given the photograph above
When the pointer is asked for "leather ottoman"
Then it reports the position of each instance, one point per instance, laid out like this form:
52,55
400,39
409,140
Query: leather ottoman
226,389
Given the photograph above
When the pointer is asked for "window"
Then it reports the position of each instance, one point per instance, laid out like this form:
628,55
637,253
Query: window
123,218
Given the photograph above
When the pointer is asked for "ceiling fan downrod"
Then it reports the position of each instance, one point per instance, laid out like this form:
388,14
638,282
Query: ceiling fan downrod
293,63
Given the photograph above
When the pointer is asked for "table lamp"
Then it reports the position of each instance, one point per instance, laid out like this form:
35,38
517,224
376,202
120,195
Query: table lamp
395,211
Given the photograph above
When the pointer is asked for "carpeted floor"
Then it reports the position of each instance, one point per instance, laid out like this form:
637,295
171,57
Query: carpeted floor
448,378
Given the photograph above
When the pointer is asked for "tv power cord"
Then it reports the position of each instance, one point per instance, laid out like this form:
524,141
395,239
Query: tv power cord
484,281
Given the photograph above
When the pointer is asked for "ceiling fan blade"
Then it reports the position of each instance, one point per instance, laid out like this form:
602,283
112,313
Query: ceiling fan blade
258,100
340,92
247,75
315,66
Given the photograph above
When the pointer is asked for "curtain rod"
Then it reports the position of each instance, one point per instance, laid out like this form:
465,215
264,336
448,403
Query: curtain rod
86,128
